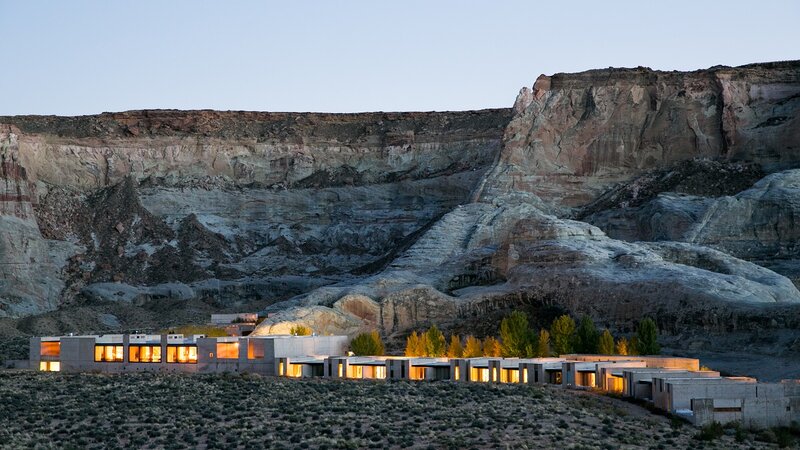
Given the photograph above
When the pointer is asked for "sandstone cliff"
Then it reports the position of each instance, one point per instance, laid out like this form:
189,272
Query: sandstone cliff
603,143
617,193
233,208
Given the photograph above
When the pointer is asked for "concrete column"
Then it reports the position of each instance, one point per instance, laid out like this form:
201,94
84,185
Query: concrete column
126,343
494,370
34,352
163,365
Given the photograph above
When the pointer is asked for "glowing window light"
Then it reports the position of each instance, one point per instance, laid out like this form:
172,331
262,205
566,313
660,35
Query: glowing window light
227,350
144,353
182,354
49,366
50,349
108,353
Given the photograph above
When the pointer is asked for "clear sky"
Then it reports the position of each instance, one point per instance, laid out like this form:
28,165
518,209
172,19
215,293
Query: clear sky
83,57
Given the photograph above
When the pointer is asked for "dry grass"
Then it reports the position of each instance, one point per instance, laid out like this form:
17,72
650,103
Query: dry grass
233,411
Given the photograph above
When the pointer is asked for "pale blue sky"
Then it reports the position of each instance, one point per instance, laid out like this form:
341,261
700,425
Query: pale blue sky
84,57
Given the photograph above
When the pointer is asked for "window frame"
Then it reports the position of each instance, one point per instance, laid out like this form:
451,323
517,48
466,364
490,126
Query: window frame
104,346
175,359
131,347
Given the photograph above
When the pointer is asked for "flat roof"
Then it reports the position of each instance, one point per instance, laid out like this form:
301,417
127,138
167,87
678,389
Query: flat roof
307,360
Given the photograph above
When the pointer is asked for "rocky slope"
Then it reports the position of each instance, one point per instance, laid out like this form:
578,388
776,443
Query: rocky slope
617,193
600,144
237,209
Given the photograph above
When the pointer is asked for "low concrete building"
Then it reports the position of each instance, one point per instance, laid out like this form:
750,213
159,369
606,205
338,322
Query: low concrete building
674,394
774,404
388,367
638,383
177,353
653,361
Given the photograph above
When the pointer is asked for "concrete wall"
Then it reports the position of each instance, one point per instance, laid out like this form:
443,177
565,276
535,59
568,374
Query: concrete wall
774,404
638,383
677,393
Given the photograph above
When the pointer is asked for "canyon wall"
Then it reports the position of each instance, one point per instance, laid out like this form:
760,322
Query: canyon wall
574,135
235,208
617,193
597,144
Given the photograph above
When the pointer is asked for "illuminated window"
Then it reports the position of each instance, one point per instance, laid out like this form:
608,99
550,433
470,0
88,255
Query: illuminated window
108,353
182,354
380,372
416,373
457,375
50,366
295,370
255,351
50,349
355,372
227,350
144,353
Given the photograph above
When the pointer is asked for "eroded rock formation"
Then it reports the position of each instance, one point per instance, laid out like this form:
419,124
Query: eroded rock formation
616,193
237,209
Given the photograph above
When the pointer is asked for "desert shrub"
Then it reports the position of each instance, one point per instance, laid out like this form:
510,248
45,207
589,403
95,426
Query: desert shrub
300,330
367,344
783,437
14,348
710,432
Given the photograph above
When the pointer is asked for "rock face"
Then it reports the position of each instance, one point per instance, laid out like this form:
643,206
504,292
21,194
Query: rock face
29,265
236,209
758,224
602,146
574,135
618,193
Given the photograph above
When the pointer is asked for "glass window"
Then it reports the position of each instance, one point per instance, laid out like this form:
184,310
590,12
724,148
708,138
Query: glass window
227,350
144,353
50,349
182,354
108,353
49,366
255,351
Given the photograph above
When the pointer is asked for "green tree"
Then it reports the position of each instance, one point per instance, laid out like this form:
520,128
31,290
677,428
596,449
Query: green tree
414,345
454,349
434,342
473,348
605,345
622,347
514,334
367,344
543,344
647,335
491,347
300,330
586,336
562,334
633,346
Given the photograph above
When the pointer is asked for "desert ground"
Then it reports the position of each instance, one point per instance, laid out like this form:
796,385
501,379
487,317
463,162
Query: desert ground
46,410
